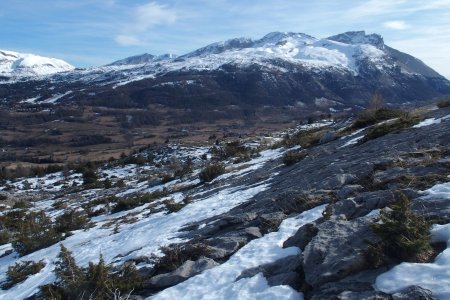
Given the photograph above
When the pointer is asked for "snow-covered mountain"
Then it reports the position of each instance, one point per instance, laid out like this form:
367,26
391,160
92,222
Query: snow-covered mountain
14,64
281,68
345,52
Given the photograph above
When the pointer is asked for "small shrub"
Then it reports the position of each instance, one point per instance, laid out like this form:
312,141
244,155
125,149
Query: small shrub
176,255
304,138
107,183
292,157
21,204
404,235
35,231
374,255
173,206
12,220
59,204
89,176
97,281
211,171
21,271
370,117
71,220
120,183
404,122
137,200
4,237
444,103
290,203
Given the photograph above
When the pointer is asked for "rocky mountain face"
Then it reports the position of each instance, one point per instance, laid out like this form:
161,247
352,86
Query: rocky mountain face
279,69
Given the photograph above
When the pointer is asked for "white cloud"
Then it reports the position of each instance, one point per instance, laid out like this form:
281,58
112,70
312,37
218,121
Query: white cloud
144,18
397,25
127,40
374,8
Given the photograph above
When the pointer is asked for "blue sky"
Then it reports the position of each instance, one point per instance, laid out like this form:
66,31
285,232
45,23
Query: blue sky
96,32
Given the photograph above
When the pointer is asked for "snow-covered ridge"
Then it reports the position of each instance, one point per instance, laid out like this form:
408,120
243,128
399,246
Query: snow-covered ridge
281,52
14,64
142,59
297,49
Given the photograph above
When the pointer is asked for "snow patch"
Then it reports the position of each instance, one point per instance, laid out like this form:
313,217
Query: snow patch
431,121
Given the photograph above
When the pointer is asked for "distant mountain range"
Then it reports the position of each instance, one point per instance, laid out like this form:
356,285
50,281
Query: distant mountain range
278,69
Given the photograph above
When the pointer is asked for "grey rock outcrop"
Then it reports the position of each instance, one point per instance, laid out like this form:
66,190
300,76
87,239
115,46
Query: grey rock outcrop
337,250
413,293
188,269
285,271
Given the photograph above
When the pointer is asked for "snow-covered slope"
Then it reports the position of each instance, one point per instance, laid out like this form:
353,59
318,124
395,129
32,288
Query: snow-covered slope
295,48
14,64
142,59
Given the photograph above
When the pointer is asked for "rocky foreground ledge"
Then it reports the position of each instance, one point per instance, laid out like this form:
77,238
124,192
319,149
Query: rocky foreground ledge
355,182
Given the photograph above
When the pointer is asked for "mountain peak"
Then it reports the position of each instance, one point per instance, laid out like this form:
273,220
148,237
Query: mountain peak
359,37
219,47
277,37
134,60
14,64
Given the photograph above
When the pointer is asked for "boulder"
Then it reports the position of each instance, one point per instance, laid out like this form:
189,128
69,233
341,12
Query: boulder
284,271
369,295
302,237
349,191
224,246
337,250
413,293
188,269
356,286
253,232
338,180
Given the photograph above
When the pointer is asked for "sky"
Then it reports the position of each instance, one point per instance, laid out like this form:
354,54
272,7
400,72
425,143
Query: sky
96,32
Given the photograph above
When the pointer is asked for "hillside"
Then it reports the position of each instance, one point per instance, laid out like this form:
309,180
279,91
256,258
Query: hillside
237,87
291,214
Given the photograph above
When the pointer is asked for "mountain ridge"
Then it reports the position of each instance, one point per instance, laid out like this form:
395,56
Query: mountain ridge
281,68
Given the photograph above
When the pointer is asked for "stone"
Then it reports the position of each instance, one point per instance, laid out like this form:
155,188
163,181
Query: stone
224,246
302,237
337,250
188,269
367,295
284,265
346,207
356,286
253,232
349,191
413,293
291,278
